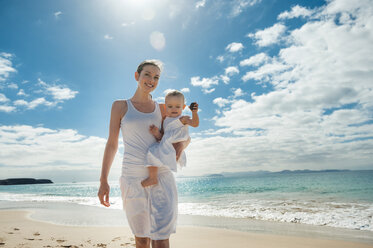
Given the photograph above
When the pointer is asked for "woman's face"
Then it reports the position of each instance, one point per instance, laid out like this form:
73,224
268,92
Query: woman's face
148,78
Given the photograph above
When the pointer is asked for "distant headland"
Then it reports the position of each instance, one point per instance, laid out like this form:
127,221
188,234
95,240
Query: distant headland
15,181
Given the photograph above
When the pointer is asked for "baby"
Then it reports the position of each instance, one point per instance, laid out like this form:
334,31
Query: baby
175,129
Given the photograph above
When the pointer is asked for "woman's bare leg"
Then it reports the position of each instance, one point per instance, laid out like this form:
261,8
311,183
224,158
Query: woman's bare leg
142,242
161,243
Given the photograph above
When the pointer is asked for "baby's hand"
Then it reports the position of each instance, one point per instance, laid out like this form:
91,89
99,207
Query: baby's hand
194,107
154,130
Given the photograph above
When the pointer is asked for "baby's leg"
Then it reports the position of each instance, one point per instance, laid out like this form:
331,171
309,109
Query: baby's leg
153,177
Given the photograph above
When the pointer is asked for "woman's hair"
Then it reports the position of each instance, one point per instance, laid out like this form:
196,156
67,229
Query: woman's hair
154,62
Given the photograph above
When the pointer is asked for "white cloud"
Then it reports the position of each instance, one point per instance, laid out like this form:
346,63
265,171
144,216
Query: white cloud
39,101
166,91
183,90
238,92
20,102
157,40
6,66
13,86
58,92
6,108
238,6
220,58
108,37
57,14
3,98
208,91
231,70
269,35
225,79
29,148
204,82
61,93
221,102
296,11
21,92
160,99
318,115
234,47
266,72
200,4
255,60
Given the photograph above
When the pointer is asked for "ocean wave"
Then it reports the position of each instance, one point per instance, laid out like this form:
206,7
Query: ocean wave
335,214
356,216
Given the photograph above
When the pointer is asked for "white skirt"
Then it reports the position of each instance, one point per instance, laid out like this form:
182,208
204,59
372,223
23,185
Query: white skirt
151,211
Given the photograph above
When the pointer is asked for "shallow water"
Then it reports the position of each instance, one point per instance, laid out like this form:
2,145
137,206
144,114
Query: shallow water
336,199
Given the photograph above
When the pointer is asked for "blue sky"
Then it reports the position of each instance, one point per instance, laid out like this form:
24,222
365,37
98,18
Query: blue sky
281,84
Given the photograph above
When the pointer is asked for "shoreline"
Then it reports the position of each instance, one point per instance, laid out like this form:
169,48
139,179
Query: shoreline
18,229
77,215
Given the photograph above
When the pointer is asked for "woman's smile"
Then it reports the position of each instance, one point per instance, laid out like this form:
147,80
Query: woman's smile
149,85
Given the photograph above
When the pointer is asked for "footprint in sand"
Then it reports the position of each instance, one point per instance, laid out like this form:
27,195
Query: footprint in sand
16,229
127,244
60,240
29,239
37,234
2,243
115,239
69,246
10,233
101,245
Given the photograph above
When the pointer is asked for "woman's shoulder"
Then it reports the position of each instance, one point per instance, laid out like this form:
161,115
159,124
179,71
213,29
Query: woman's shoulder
119,107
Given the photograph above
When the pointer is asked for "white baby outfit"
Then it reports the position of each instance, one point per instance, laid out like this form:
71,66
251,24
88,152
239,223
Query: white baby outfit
163,153
151,211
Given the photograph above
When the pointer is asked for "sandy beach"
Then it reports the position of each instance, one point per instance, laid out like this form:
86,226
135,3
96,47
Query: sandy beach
17,229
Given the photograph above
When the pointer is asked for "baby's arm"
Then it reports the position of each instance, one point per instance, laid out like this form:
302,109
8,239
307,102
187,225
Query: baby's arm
194,121
156,133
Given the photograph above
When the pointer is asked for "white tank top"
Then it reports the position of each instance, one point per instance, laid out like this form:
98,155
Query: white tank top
136,136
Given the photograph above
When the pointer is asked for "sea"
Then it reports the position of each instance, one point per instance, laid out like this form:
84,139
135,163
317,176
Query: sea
342,199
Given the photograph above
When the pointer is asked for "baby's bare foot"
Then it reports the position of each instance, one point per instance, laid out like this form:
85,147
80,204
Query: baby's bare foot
149,182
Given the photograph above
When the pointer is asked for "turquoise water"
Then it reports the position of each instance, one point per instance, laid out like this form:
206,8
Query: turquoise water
339,199
351,186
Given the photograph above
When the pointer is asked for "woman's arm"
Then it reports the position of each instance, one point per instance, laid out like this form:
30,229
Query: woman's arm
118,109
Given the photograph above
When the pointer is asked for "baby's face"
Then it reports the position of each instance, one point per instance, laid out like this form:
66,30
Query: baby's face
174,106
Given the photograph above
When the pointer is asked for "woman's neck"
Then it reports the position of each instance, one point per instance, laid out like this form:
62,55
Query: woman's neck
140,96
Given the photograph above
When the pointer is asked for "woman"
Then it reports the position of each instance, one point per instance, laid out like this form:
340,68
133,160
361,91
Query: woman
151,211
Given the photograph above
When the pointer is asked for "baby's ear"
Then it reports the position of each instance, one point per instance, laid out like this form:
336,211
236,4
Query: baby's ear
184,106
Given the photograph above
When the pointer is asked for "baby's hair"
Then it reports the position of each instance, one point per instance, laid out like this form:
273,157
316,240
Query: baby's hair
175,93
154,62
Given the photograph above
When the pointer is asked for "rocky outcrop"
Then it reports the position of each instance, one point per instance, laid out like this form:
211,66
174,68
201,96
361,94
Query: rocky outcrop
15,181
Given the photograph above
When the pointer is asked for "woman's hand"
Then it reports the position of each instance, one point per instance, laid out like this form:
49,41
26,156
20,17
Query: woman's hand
103,194
179,147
